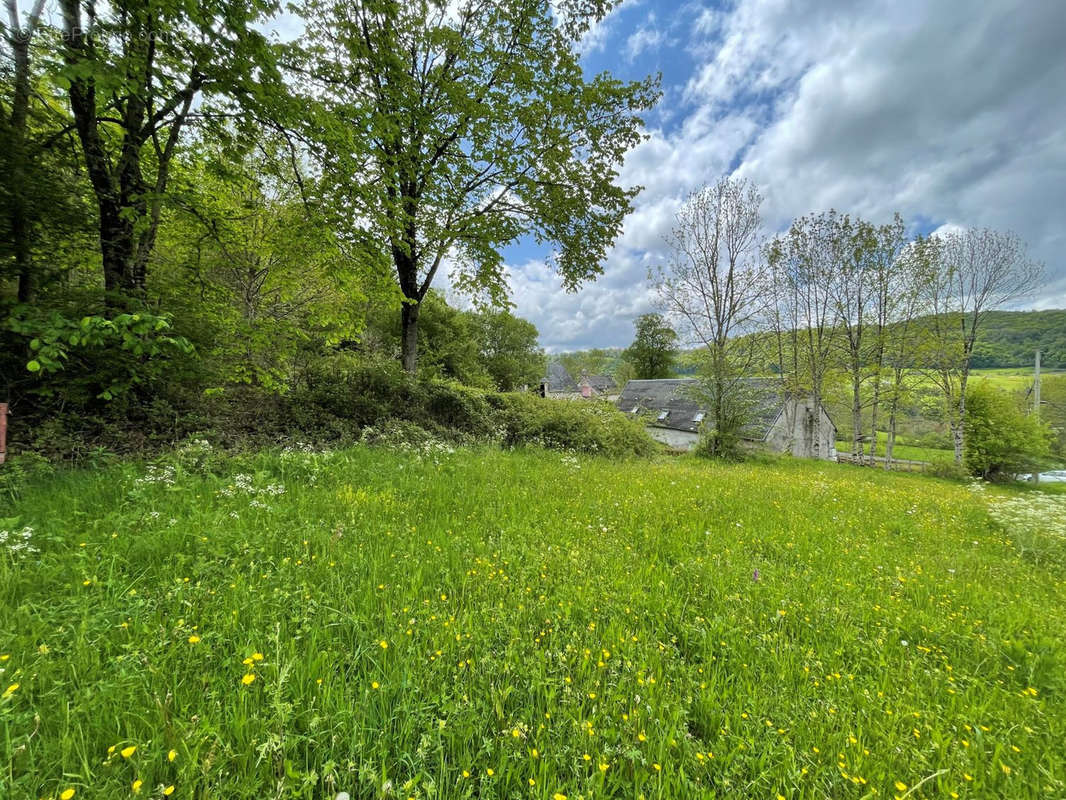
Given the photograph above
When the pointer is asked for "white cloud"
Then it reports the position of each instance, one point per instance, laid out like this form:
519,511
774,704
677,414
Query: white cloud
646,37
948,117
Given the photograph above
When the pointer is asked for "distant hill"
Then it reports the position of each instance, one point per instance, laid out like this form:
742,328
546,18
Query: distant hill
1006,339
1011,339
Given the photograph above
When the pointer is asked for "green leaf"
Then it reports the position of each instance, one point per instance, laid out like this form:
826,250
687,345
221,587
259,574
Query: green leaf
34,366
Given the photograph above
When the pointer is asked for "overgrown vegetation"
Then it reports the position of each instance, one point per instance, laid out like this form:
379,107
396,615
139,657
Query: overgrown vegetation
436,624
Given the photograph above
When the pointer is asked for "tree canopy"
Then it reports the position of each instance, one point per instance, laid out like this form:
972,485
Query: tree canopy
654,348
453,130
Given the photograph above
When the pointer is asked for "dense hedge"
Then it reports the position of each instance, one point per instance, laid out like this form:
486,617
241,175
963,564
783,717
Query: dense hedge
587,426
339,402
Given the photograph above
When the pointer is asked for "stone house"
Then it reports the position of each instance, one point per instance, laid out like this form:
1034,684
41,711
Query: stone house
602,386
674,415
558,383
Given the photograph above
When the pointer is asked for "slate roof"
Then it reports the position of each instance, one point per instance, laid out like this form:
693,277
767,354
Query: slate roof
678,397
558,379
601,383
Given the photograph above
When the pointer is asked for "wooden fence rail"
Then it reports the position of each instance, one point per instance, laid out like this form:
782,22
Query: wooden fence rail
900,464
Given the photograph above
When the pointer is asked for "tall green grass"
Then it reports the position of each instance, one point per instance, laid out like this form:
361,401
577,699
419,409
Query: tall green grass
523,624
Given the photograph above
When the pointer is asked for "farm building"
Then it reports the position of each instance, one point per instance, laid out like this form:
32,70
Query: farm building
674,416
598,386
558,383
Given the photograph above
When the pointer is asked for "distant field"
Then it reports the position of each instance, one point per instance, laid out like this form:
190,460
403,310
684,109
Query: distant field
1012,378
526,624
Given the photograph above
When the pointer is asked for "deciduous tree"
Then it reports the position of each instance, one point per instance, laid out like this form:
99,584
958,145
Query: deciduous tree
713,284
654,348
134,71
450,130
969,273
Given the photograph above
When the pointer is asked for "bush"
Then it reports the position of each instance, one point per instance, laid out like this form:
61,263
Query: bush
1000,440
582,425
21,470
342,397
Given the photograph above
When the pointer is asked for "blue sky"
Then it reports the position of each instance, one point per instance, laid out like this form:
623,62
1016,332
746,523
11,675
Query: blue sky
952,114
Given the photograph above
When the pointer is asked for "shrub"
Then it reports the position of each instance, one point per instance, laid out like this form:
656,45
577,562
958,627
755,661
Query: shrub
1001,441
585,426
20,470
342,397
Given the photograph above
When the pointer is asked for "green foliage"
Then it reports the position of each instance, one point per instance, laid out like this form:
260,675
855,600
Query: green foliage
654,349
1011,339
526,600
1001,440
251,273
581,425
113,354
346,395
453,132
348,398
509,350
597,361
22,470
132,73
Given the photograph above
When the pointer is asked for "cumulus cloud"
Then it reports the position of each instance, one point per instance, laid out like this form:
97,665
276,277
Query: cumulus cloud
950,116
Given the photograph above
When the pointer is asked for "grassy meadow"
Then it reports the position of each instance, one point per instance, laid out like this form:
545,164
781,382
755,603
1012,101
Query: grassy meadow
527,624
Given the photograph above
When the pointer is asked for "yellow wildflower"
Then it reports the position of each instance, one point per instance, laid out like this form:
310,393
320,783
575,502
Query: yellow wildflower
10,690
172,755
247,679
194,639
169,790
66,794
128,751
383,645
375,685
136,786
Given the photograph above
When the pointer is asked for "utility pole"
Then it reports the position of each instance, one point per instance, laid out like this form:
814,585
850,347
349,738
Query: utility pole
1036,404
1036,385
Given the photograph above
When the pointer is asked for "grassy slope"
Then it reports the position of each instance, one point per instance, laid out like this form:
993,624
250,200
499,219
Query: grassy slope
579,627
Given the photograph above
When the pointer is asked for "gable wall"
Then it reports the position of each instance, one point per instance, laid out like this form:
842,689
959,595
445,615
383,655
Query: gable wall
798,437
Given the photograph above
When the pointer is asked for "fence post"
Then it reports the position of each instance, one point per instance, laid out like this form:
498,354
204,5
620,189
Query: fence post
3,432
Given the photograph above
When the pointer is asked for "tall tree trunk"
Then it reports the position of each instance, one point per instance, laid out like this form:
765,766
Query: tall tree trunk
890,438
959,421
19,41
116,248
893,408
856,414
409,335
875,406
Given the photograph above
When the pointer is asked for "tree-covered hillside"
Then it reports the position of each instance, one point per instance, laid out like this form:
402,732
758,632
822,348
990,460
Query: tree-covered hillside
1011,338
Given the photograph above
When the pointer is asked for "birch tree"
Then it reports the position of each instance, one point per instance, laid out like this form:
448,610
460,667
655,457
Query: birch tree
714,285
970,272
804,266
893,305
